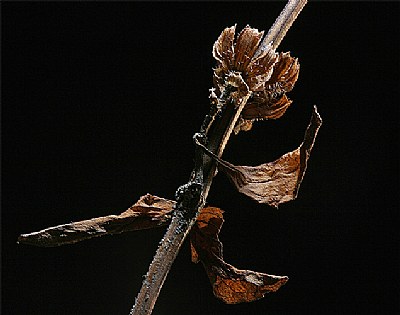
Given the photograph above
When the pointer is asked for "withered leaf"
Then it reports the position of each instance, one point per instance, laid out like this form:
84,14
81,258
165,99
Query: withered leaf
278,181
151,209
229,284
148,212
275,182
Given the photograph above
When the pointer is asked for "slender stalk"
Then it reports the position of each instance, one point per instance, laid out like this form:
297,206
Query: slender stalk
193,200
184,219
161,264
282,24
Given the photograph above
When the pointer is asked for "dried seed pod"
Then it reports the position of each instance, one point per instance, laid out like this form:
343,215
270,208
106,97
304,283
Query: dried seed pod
269,76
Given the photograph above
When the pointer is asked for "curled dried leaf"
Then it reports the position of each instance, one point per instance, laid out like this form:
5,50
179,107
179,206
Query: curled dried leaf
230,284
278,181
148,212
152,209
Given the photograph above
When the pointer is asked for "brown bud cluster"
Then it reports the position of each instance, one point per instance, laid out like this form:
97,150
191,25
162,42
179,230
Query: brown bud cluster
267,74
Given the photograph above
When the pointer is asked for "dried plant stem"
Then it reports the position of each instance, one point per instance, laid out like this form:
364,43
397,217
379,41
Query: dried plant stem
282,24
185,217
193,201
160,266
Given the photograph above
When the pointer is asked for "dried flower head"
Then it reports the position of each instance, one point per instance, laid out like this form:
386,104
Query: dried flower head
267,74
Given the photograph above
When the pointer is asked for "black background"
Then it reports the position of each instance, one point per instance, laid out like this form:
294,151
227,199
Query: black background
100,101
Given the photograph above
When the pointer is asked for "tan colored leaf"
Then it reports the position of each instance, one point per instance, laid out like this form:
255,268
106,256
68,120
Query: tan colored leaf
152,209
229,284
148,212
279,181
275,182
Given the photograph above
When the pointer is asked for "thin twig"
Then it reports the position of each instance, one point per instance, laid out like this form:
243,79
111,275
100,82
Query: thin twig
185,215
282,24
192,196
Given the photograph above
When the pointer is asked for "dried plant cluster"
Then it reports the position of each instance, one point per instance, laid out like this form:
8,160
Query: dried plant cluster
250,83
267,74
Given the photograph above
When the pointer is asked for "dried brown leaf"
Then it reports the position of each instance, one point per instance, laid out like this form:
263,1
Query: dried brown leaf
230,284
152,209
148,212
279,181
